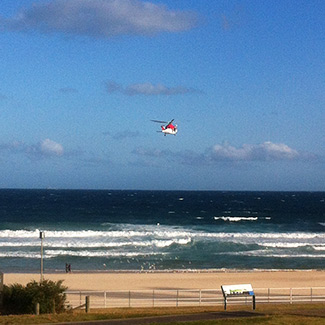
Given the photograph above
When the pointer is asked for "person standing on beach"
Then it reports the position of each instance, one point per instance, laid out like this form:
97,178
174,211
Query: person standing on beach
67,268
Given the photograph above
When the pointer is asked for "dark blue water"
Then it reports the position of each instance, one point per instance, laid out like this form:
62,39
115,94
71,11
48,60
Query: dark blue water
162,230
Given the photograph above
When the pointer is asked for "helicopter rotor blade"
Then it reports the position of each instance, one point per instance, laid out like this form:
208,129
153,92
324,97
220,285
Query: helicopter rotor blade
158,121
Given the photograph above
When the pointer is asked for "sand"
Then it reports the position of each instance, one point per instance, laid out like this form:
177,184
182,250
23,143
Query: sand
175,280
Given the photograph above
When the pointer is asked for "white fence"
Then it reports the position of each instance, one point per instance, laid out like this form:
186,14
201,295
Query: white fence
195,297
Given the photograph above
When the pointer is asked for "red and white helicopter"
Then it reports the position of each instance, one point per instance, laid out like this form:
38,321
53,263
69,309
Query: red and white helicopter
168,127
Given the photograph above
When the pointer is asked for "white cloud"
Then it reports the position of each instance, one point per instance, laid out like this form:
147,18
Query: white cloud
100,18
42,149
50,148
148,89
249,152
267,151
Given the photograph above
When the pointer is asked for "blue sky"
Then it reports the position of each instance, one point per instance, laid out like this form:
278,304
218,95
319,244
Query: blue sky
81,80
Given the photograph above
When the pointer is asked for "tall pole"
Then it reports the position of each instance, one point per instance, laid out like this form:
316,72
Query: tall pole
41,236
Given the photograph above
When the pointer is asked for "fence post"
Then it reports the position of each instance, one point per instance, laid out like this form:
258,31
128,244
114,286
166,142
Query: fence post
177,299
291,296
1,289
153,298
200,296
268,295
129,298
37,308
87,304
104,299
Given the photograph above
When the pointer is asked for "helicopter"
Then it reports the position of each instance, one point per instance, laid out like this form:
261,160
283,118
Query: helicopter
168,127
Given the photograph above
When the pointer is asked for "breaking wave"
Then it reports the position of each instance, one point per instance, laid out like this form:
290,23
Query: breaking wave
162,237
236,219
82,253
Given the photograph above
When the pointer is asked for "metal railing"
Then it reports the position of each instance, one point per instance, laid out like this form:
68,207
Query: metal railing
191,297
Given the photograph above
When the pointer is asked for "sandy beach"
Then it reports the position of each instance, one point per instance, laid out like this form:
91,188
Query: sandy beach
176,280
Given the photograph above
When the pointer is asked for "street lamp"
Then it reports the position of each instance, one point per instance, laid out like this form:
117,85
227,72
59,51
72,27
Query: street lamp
41,236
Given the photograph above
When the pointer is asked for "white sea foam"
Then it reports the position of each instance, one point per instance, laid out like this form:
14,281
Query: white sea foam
19,233
319,247
78,244
71,234
257,235
236,219
160,232
273,254
85,244
166,243
86,253
108,238
285,245
20,244
80,253
294,255
20,254
127,238
119,241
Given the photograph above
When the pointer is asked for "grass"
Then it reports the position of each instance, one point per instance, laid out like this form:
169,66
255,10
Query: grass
297,314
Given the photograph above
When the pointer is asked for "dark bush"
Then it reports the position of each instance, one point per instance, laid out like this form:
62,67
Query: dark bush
14,300
18,299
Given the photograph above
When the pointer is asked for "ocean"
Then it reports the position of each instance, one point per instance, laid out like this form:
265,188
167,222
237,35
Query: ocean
161,230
